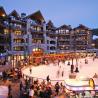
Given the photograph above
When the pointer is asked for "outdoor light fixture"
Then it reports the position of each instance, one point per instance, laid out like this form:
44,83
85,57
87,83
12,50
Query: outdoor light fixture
3,15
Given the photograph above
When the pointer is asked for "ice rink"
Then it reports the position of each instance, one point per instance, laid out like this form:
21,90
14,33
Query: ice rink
42,71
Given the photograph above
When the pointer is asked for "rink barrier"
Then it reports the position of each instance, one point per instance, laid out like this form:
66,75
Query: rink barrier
41,79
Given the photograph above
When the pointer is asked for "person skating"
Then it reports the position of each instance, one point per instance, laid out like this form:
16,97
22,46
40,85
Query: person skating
48,79
58,73
62,73
68,63
30,71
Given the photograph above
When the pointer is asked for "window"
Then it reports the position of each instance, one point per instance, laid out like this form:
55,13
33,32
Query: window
47,47
19,40
67,31
56,31
52,48
38,28
47,41
52,42
18,48
18,32
6,31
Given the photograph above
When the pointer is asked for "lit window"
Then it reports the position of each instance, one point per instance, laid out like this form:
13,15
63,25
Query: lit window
18,32
3,15
6,31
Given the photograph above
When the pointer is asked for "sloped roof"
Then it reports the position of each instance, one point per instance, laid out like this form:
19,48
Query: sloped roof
15,14
36,16
68,27
50,25
81,26
2,11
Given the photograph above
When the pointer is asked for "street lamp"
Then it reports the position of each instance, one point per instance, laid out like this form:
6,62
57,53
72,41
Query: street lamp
76,70
72,65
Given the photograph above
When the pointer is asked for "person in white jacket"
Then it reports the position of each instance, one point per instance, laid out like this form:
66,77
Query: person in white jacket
31,92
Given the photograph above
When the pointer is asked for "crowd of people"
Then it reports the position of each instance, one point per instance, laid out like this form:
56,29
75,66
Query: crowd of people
36,89
30,88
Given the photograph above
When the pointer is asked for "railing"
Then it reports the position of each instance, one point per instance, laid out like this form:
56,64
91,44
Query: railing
64,33
81,33
20,44
18,28
64,39
64,44
19,36
38,31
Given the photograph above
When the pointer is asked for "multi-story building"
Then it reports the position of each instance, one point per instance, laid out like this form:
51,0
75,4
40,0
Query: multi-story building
64,38
51,38
17,29
36,31
83,37
20,35
79,38
4,32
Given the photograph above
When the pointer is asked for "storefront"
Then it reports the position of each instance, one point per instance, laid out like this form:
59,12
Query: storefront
37,56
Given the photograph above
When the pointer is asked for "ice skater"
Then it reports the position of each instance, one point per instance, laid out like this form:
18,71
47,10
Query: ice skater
58,62
48,78
60,67
93,58
58,73
68,63
30,70
62,73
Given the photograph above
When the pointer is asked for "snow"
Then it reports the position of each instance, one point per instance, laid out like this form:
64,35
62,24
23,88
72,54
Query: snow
3,91
42,71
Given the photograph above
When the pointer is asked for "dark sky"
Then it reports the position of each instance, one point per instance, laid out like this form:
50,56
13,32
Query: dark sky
70,12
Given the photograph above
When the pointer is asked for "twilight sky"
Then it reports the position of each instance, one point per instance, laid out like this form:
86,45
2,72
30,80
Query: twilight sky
71,12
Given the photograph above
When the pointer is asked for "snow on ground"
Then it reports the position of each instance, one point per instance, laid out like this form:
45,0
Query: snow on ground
3,92
42,71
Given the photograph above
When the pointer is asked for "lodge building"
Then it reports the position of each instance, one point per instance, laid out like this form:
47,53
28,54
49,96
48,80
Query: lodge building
20,35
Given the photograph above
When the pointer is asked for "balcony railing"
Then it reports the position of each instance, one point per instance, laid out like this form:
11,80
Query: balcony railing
19,44
19,35
18,28
36,24
37,31
64,44
18,21
64,33
63,39
81,33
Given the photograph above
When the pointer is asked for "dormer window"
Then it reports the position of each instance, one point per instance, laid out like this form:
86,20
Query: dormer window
12,18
